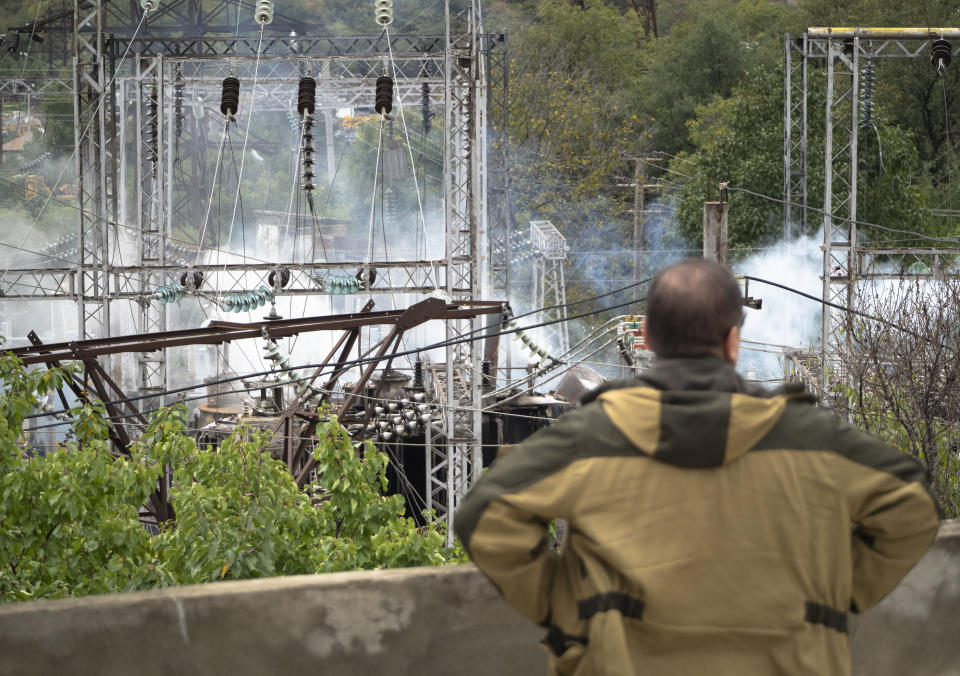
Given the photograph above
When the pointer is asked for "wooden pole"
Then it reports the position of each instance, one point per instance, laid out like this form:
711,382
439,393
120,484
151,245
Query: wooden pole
715,231
639,166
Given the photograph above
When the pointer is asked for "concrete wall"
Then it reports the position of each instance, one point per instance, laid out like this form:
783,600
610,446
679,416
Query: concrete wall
406,622
915,630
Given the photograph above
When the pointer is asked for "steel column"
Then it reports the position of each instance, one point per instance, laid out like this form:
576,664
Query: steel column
840,198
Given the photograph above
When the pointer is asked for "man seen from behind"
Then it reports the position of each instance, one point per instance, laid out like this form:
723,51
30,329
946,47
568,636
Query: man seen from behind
712,529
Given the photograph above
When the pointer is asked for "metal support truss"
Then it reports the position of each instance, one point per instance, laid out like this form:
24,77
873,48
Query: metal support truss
94,125
549,288
454,468
840,50
150,96
795,138
839,198
498,179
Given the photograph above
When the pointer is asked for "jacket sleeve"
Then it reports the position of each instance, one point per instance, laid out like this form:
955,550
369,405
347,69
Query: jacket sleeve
894,513
503,521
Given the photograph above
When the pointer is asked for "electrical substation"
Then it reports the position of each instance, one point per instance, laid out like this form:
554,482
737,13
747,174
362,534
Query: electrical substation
168,286
165,289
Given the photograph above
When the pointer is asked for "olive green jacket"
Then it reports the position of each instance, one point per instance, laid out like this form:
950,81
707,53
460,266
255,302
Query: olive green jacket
709,530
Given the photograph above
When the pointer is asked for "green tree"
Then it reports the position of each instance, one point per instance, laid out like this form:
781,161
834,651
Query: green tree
705,54
572,119
69,522
747,152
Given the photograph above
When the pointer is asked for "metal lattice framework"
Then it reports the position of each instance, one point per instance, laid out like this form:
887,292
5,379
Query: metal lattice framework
306,279
795,137
136,144
549,288
841,51
149,96
95,122
453,471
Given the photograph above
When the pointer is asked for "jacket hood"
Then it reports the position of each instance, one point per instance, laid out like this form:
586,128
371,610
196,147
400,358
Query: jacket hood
694,413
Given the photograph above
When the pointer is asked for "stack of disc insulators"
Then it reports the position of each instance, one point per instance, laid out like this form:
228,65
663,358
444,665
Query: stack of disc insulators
384,12
384,98
264,12
307,95
230,96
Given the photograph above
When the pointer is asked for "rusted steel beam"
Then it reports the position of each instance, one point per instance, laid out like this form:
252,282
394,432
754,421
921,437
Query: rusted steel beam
225,332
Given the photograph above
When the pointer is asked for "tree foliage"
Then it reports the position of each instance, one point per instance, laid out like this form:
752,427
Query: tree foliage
705,55
573,114
746,151
69,522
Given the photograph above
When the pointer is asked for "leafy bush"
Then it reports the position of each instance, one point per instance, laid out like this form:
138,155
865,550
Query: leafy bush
69,521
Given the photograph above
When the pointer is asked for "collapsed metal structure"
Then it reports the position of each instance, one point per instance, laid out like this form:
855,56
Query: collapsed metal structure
296,420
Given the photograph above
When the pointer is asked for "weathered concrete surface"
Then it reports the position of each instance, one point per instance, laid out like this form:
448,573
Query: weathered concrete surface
412,622
915,630
415,622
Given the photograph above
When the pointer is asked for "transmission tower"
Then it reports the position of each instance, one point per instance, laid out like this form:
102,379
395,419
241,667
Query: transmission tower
549,288
845,260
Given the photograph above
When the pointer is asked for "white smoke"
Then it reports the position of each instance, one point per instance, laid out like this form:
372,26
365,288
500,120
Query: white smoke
786,319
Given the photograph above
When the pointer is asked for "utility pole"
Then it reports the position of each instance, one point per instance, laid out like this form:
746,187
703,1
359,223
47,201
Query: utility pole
639,166
640,187
715,228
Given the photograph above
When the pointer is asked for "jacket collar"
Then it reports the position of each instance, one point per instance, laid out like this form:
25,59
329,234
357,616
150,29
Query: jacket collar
708,373
711,373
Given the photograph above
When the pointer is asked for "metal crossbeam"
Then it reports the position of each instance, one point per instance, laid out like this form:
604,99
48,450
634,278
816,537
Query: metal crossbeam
305,279
224,332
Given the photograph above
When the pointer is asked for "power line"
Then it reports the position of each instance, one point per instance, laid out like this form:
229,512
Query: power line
858,313
854,221
366,360
470,338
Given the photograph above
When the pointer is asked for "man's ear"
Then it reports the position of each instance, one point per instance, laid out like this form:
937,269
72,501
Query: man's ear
731,345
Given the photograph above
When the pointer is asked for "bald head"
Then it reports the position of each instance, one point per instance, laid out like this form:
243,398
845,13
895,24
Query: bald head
691,307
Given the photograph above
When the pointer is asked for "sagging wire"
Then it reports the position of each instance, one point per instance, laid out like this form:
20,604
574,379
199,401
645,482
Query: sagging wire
33,37
563,360
136,229
569,367
469,336
836,217
406,132
261,16
213,186
373,197
466,338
